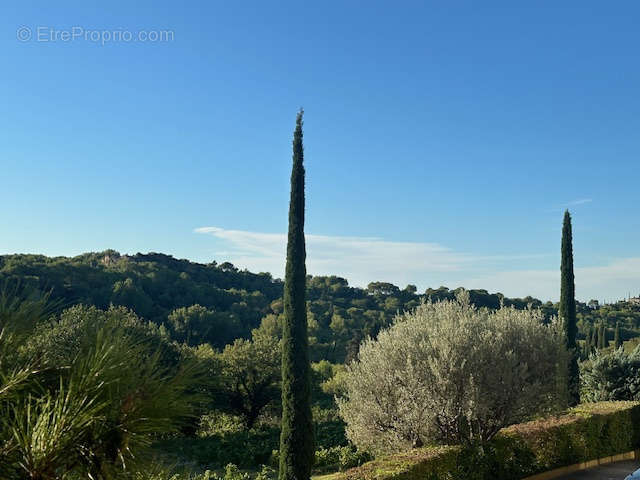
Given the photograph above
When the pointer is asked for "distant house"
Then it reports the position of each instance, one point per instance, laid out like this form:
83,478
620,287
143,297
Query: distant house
634,300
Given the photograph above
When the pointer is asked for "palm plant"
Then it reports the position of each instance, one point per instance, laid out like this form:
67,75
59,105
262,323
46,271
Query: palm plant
91,408
19,314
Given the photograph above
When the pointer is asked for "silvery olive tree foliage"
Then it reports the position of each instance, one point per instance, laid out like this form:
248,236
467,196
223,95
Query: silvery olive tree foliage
612,376
451,373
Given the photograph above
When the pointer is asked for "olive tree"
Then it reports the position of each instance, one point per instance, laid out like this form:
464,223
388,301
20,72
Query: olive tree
612,376
451,373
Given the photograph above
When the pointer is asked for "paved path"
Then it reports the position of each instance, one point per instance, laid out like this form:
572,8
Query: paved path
612,471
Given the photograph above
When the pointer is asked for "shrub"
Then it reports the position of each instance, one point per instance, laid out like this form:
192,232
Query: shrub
223,438
219,423
612,376
103,390
266,473
449,372
243,448
585,433
350,457
338,458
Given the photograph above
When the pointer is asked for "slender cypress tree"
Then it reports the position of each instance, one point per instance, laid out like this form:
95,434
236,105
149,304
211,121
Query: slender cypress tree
567,309
587,344
603,336
616,336
296,438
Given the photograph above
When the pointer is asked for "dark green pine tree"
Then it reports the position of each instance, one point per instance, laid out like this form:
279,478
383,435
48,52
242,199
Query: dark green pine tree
567,309
603,337
617,341
296,438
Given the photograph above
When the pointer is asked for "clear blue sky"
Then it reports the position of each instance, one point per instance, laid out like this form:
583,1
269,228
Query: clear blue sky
442,141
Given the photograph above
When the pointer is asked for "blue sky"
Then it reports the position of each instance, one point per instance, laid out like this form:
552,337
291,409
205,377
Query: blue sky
443,141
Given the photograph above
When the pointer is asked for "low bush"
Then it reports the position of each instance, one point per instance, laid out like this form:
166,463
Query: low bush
338,459
222,439
611,376
584,433
243,448
231,472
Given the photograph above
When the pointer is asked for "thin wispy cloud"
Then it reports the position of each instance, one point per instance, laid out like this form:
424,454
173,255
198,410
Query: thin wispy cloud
360,259
572,203
365,259
609,282
580,201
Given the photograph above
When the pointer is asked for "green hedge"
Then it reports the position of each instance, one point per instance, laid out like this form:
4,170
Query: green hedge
585,433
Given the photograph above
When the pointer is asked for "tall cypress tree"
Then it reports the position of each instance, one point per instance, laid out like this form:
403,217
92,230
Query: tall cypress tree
587,344
600,344
616,336
296,438
567,309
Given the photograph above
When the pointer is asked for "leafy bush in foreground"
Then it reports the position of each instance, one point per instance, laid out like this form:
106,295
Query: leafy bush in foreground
449,372
95,395
585,433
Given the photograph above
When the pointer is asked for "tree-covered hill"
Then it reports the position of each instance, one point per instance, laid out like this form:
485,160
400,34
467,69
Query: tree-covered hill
216,303
153,285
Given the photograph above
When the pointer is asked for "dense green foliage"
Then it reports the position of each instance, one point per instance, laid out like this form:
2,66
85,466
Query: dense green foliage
85,394
626,314
617,340
585,433
216,303
210,303
567,309
250,376
611,375
221,440
296,436
216,448
154,286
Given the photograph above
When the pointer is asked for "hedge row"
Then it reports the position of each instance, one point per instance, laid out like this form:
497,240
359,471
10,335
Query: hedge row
585,433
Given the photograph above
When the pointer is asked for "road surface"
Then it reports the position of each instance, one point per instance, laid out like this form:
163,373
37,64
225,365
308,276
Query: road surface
611,471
